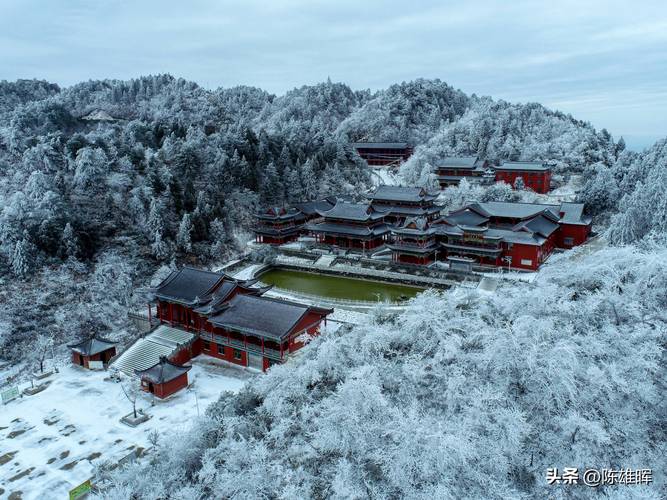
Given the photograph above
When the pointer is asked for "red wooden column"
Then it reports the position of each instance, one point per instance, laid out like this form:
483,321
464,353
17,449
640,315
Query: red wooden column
149,314
171,314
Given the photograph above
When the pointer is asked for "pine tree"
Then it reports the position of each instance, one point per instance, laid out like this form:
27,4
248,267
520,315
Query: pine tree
21,257
272,188
69,242
159,247
183,237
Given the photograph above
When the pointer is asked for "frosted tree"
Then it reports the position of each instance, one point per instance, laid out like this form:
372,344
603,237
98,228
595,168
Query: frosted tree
21,260
41,349
519,184
183,239
219,235
69,241
271,186
159,248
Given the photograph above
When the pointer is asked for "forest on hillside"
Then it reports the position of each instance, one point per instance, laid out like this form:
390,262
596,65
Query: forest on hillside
106,185
105,182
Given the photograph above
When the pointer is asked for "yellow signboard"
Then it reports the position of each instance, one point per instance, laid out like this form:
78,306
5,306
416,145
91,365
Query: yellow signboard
80,491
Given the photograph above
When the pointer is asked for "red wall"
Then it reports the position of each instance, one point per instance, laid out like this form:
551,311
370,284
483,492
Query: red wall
579,233
104,356
308,319
540,182
519,252
227,354
167,389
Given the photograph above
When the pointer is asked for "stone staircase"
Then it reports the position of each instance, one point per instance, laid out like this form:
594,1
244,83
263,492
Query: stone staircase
146,351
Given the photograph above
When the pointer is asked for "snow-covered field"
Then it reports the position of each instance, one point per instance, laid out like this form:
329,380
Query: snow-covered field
51,441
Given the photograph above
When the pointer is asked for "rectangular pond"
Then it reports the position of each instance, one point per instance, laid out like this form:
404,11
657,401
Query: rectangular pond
337,287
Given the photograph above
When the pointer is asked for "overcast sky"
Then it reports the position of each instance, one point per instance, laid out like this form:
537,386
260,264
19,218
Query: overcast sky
603,61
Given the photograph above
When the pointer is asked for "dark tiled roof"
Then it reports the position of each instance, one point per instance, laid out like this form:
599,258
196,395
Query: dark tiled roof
272,231
92,346
262,316
467,217
348,229
516,210
352,211
224,293
188,285
380,145
541,225
459,162
537,166
414,226
573,213
401,193
314,207
280,213
162,372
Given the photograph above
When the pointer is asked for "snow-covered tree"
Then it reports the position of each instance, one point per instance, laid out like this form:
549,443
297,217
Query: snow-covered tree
183,239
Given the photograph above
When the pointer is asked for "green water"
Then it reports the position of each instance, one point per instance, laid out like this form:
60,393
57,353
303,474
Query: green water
337,287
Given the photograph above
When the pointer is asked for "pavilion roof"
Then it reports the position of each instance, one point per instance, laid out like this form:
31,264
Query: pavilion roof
353,211
401,193
162,372
461,162
316,206
536,166
224,293
190,286
263,316
92,345
348,229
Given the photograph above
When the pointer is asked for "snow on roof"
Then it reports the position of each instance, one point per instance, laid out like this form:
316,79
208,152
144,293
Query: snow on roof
516,210
459,161
188,284
352,211
263,316
400,193
146,352
92,346
163,371
522,165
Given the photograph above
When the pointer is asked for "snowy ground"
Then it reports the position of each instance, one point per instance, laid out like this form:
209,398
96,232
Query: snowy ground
51,441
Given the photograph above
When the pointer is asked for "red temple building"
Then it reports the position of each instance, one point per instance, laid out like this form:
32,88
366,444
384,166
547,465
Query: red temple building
186,292
355,226
240,334
383,153
164,379
414,242
229,319
92,349
403,202
535,175
278,225
512,235
451,170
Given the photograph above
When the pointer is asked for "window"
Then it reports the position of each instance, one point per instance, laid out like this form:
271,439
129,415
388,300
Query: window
206,345
238,355
526,262
568,241
220,348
